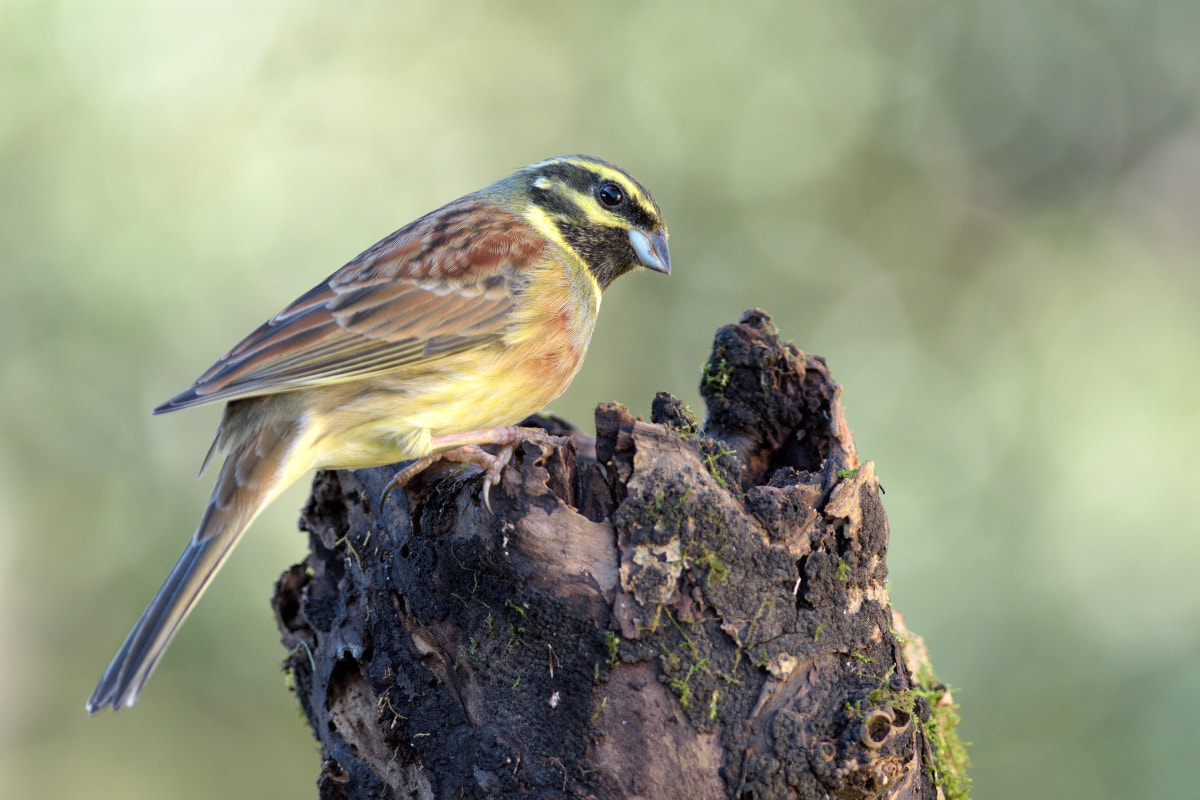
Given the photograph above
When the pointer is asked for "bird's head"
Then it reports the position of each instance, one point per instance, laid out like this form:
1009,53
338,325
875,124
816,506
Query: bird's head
596,210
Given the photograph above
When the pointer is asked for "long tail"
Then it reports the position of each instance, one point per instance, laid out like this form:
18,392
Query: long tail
254,474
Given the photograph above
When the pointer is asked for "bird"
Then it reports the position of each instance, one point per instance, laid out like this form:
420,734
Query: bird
432,342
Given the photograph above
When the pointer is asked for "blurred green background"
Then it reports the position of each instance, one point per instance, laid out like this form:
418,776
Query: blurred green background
985,215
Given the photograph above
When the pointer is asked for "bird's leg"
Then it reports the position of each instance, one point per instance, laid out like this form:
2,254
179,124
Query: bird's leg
492,465
463,448
405,475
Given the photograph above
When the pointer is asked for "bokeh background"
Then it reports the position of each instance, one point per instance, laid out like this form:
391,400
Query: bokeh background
984,214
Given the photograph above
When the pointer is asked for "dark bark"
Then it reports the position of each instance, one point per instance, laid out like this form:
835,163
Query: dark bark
671,610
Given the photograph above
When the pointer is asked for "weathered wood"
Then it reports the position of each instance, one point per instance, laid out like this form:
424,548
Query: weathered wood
671,610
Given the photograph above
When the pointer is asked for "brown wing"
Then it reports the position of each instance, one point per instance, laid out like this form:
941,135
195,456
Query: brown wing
438,286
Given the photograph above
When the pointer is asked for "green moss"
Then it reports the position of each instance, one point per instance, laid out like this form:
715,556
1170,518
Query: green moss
949,764
843,571
599,710
683,498
654,623
692,425
612,643
716,376
950,760
515,632
682,687
673,660
711,563
683,691
687,424
713,455
846,474
289,680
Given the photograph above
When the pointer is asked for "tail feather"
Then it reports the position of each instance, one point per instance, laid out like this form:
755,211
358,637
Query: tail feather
131,667
250,479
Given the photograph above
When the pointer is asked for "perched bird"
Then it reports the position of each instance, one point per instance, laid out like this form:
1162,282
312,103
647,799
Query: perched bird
433,341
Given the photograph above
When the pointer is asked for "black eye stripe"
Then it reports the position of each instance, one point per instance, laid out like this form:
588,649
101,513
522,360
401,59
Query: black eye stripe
636,205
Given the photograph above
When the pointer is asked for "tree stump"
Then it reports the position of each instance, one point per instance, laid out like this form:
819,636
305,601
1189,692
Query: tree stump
670,610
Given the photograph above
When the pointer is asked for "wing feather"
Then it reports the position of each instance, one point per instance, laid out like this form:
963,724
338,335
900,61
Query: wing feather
443,284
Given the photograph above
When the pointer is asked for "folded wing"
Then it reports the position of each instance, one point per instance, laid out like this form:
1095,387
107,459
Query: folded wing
444,284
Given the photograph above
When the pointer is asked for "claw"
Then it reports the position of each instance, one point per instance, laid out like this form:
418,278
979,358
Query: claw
405,475
467,453
492,476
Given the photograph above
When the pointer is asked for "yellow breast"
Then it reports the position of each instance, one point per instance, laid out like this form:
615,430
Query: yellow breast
393,417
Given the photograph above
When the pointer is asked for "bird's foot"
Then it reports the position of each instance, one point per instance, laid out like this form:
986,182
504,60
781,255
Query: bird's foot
463,448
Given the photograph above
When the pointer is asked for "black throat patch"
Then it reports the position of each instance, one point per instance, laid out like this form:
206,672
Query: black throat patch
606,251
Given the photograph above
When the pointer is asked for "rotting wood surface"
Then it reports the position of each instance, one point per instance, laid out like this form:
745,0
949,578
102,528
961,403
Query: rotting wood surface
670,610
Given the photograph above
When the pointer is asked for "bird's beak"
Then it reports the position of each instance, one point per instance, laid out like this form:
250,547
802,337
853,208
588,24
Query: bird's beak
651,249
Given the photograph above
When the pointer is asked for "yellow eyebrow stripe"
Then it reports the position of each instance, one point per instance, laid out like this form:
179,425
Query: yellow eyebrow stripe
619,178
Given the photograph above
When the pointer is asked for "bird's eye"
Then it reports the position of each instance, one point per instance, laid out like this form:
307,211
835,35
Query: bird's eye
610,194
